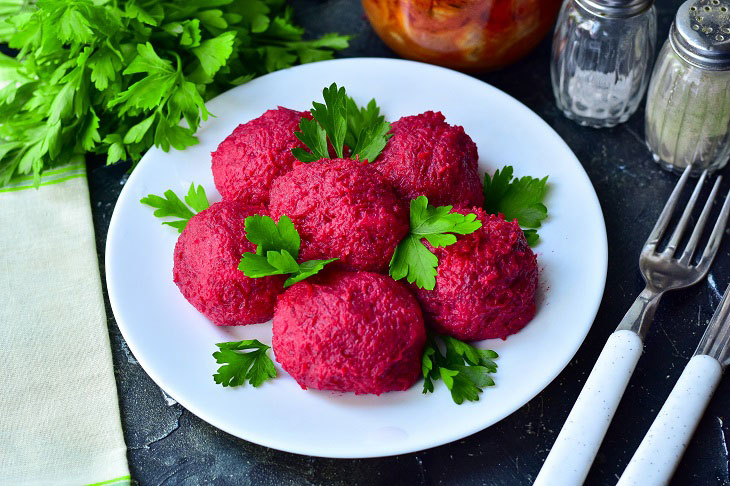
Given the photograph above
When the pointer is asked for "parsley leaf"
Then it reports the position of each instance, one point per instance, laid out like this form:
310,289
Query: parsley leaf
147,61
413,261
367,130
315,138
307,269
197,199
342,122
517,198
172,206
240,366
213,53
371,141
427,220
274,263
464,369
332,116
115,78
270,236
531,236
277,250
359,118
437,225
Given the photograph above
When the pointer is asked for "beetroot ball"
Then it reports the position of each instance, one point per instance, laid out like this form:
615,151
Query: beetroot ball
342,209
486,282
249,159
206,267
427,156
356,332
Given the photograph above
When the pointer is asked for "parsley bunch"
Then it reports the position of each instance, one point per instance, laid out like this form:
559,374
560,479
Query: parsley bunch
517,198
277,250
171,206
463,368
437,225
341,122
116,76
243,361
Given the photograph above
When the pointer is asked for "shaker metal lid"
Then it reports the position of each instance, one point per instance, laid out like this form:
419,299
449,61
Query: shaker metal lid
616,8
700,33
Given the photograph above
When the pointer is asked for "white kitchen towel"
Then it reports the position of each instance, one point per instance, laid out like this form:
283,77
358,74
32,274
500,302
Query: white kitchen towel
59,413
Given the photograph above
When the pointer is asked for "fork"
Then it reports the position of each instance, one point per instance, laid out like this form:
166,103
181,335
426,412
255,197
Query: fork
575,448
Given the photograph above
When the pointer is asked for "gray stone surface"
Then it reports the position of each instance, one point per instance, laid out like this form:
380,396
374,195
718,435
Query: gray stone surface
169,445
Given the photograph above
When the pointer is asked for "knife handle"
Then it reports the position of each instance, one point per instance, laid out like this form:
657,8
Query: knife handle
575,448
659,453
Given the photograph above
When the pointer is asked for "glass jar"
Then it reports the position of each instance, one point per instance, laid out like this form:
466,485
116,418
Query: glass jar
470,35
688,106
601,59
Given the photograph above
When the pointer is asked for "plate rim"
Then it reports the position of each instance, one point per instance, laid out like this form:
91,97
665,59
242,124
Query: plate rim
601,253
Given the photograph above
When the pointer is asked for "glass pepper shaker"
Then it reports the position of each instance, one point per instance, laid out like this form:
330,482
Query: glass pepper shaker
601,59
688,106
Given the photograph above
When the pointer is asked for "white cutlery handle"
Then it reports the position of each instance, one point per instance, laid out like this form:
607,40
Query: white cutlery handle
577,444
659,453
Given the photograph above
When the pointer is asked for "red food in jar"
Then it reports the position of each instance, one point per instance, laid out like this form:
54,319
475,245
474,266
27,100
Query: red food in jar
356,332
486,282
471,35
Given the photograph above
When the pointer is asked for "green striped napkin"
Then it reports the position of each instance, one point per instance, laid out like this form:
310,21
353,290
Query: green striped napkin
59,414
50,177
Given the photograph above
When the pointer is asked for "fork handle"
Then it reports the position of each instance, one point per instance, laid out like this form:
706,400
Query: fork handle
663,446
641,313
577,444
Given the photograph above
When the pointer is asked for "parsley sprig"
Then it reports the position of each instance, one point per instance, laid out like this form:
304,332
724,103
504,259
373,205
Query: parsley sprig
438,225
339,120
517,198
171,206
464,369
277,250
116,77
243,361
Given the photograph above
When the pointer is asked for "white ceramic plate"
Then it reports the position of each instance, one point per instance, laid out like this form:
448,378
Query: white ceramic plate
173,342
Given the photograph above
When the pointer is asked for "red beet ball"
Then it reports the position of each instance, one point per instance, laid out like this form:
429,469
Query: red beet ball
206,267
356,332
249,159
342,209
427,156
486,282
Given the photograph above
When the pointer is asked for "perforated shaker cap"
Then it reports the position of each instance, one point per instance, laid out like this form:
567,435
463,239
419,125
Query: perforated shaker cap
616,8
700,33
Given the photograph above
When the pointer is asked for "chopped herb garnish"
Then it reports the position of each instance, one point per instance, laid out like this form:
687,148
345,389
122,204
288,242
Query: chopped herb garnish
341,122
438,225
172,206
277,250
517,198
464,369
243,361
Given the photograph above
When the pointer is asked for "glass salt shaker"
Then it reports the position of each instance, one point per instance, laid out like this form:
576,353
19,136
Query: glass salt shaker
601,59
688,106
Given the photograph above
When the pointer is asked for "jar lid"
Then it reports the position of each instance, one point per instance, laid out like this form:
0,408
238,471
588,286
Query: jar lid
616,8
700,33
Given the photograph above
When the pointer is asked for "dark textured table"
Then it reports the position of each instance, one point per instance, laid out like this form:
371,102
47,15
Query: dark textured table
169,445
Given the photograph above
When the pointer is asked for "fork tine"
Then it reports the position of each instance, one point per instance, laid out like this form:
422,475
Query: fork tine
682,224
663,221
716,237
689,250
